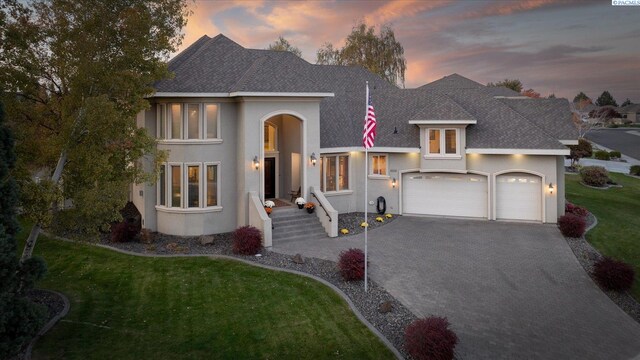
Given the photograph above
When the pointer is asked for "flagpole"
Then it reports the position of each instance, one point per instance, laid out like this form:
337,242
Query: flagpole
366,194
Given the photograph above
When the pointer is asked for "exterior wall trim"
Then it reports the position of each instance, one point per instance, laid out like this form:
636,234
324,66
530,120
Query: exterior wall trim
542,192
372,150
569,142
443,122
518,151
242,93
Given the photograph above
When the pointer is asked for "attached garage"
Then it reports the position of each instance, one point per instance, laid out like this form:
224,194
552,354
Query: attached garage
445,194
519,197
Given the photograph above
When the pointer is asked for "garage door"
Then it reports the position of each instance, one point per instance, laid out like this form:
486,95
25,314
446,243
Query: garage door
445,194
519,197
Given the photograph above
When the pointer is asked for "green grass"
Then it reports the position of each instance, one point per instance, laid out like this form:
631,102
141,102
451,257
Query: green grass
127,307
618,212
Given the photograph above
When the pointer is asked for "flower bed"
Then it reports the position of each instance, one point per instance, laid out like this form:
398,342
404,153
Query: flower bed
352,222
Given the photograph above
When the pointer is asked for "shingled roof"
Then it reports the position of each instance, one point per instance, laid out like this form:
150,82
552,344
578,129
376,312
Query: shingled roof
219,65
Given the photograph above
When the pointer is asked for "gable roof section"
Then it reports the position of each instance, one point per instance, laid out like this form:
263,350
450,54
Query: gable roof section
502,91
219,65
551,115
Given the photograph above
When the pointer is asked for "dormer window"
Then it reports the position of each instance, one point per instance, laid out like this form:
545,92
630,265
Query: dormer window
443,142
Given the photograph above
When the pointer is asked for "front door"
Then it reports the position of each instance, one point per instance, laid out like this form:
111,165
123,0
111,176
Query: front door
269,178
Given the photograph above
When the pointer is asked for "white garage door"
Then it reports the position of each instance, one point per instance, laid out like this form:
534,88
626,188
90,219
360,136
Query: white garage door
519,197
445,194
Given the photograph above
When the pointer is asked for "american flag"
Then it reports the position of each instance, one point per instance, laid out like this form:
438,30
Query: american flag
369,124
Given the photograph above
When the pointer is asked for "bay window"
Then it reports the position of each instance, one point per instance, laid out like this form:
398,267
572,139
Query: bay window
176,121
193,121
197,183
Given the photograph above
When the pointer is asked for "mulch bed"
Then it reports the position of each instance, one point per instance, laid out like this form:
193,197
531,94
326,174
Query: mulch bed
352,221
587,256
390,324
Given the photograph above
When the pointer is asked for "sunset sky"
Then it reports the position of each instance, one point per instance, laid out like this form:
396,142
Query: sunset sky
560,47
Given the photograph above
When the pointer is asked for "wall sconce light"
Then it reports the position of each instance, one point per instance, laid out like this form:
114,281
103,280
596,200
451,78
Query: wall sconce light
256,163
393,183
313,159
550,188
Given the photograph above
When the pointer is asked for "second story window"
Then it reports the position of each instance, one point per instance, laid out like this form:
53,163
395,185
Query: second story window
378,165
188,121
442,142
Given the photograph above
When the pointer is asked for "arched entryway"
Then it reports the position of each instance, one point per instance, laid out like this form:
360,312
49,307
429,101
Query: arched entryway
282,157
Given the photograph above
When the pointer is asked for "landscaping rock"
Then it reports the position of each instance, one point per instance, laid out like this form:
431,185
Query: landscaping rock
206,240
385,307
297,258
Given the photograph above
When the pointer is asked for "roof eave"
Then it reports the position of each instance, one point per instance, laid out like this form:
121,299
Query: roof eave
443,122
491,151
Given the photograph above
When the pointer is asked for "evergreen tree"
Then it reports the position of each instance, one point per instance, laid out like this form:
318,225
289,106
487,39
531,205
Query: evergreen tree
606,99
581,96
20,319
626,102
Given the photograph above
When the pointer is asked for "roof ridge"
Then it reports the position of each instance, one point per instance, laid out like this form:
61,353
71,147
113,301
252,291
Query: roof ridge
246,76
183,55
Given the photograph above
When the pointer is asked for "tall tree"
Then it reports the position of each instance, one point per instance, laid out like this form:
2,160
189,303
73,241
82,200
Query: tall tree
626,102
580,116
77,73
513,84
606,99
381,54
551,96
581,96
283,44
20,319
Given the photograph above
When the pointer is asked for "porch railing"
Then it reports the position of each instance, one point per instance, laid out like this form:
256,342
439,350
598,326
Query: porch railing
258,218
328,217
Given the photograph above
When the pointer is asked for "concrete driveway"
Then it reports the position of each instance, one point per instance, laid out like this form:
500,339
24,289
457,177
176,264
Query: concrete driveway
510,290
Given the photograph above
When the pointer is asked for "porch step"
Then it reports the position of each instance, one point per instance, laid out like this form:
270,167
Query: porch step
290,224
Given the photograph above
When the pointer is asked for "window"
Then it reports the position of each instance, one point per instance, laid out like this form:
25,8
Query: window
162,185
434,141
176,185
442,142
378,165
197,183
270,132
212,185
193,121
212,121
334,173
193,186
161,123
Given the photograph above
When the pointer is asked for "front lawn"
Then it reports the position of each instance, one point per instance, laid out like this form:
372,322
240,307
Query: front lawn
618,212
127,307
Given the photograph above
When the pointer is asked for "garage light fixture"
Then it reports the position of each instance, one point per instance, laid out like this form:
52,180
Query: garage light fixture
393,183
550,188
256,163
313,159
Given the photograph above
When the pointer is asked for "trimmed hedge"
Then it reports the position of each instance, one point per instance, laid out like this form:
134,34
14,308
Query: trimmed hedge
572,225
613,274
594,176
634,170
351,264
602,155
615,154
430,338
247,240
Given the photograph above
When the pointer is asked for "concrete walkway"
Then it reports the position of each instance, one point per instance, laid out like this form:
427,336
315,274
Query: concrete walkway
510,290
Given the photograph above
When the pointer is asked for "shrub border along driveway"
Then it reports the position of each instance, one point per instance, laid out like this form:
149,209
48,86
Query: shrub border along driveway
352,306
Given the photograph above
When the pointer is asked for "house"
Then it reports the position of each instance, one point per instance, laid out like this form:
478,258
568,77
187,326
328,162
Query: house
244,125
630,113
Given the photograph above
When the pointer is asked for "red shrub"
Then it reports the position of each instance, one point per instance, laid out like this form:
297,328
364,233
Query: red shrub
430,338
351,264
247,240
124,232
570,208
572,225
613,274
